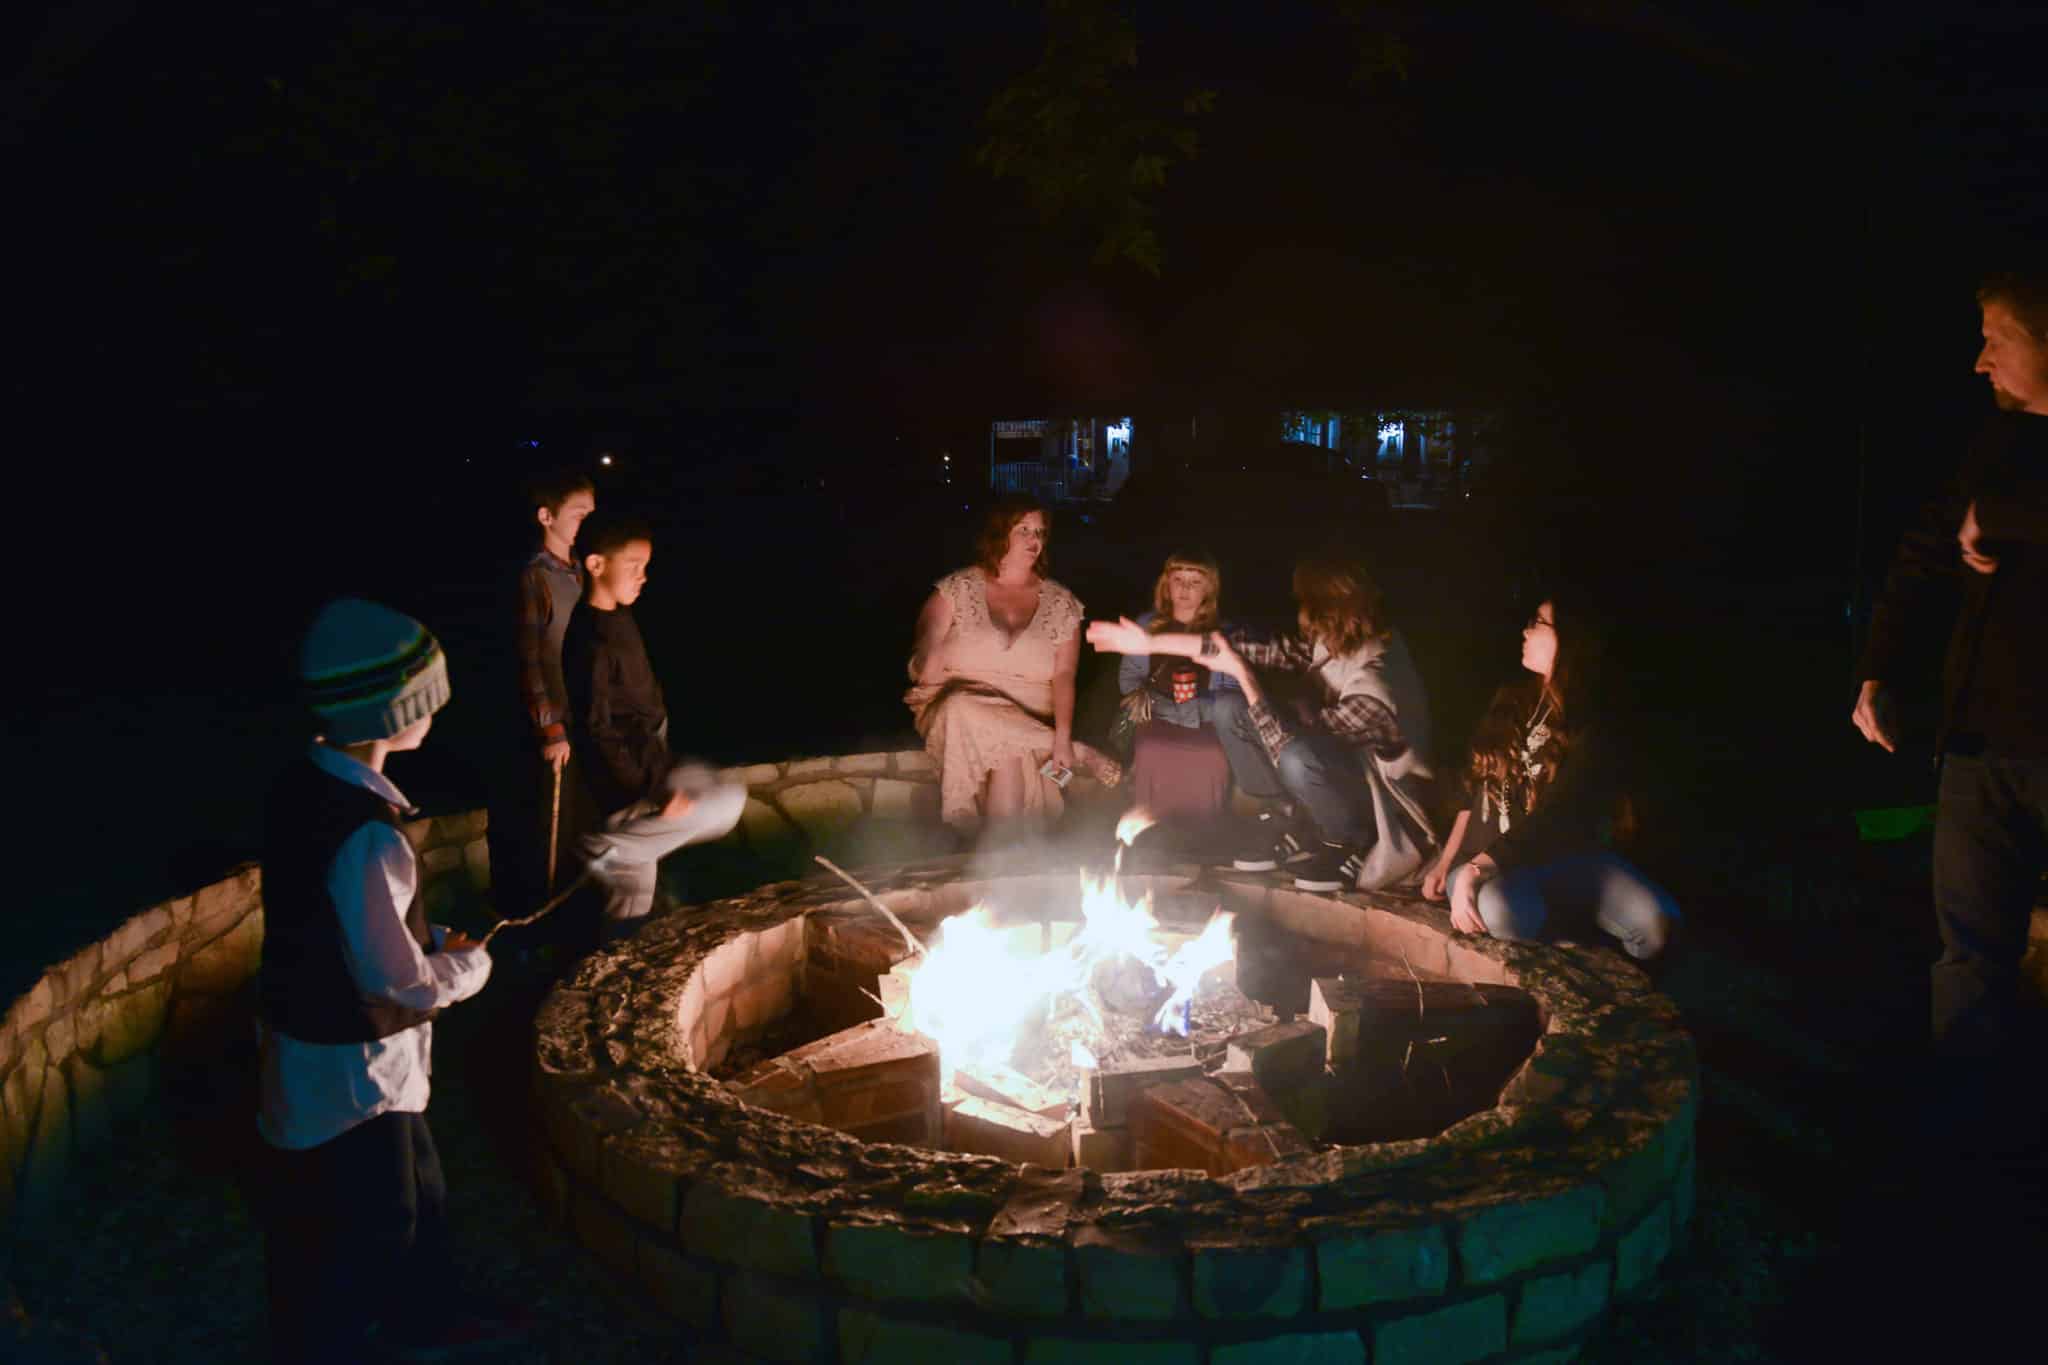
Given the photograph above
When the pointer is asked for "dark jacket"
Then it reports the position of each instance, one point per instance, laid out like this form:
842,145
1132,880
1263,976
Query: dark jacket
617,717
1994,692
305,985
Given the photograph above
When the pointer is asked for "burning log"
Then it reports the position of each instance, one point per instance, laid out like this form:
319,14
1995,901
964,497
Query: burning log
872,1081
1279,1055
1129,986
990,1128
1106,1103
1210,1125
1006,1085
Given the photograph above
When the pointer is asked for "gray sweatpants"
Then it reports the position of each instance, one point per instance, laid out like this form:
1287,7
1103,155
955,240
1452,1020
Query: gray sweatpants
637,838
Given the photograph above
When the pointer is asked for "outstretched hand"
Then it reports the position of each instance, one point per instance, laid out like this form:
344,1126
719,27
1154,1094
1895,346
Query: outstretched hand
1121,636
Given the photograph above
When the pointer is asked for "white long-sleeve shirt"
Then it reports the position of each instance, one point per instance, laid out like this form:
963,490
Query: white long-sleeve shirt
313,1092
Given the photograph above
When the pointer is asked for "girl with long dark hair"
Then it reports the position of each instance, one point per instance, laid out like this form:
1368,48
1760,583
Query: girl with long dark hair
1549,795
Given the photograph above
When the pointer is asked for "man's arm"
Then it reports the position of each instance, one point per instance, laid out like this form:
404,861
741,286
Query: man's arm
536,608
1919,589
1287,652
2018,514
1365,721
1919,593
372,879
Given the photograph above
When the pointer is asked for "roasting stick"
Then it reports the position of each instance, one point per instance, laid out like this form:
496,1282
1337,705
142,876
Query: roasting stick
571,889
869,896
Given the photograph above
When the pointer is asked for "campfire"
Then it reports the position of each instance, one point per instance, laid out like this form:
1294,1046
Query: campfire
745,1116
1110,1034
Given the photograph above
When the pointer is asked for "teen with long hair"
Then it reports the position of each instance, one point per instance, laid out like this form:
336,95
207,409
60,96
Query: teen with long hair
1178,768
1344,774
1548,793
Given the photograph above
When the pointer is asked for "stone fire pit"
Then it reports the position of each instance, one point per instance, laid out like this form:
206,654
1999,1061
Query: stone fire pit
1505,1235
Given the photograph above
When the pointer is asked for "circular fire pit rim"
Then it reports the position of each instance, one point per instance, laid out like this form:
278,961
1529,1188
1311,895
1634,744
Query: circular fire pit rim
1612,1084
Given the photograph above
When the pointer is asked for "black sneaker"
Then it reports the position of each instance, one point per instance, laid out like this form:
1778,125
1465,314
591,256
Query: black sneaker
1330,867
1268,844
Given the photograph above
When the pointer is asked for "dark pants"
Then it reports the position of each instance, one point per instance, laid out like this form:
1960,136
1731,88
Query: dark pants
358,1234
1322,773
1990,848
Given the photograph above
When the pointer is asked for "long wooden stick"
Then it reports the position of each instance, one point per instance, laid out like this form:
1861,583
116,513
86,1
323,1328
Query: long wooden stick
554,826
555,901
885,911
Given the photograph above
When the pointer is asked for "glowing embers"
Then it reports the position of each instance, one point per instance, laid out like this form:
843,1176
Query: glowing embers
1023,1008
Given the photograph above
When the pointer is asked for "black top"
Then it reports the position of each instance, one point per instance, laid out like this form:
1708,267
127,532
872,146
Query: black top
1575,812
617,717
1995,675
306,988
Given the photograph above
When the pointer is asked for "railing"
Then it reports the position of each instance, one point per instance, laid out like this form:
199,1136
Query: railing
1028,477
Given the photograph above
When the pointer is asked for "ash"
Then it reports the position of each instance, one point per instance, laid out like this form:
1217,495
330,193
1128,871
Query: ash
1219,1012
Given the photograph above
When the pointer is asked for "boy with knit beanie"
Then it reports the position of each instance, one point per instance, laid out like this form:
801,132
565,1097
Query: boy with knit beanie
352,975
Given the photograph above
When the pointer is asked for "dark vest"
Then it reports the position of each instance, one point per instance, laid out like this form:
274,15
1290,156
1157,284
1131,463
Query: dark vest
307,991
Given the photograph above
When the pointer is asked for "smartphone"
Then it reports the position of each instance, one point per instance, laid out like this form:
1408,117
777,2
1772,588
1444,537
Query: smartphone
1060,776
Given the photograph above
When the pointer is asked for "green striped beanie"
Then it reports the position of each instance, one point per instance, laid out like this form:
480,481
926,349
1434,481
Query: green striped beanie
368,672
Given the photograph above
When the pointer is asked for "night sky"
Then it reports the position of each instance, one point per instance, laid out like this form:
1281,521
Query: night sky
298,284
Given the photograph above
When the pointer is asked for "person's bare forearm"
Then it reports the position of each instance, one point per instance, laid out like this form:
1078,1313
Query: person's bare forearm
1183,644
1062,708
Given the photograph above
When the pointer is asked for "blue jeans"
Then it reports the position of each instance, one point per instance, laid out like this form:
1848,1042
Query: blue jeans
1518,904
1198,711
1321,772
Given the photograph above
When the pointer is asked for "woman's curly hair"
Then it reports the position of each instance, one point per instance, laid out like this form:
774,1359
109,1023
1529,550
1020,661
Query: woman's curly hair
994,541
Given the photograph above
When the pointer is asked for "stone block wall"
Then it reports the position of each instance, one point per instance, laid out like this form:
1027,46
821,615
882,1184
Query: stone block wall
82,1053
1506,1238
885,804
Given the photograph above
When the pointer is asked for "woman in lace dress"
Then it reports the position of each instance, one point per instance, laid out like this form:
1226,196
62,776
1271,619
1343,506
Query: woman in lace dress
993,668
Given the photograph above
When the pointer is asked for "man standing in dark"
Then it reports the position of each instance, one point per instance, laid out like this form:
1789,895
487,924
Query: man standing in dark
1986,542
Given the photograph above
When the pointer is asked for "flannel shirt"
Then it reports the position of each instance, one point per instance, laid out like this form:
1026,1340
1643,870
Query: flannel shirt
545,707
1361,720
